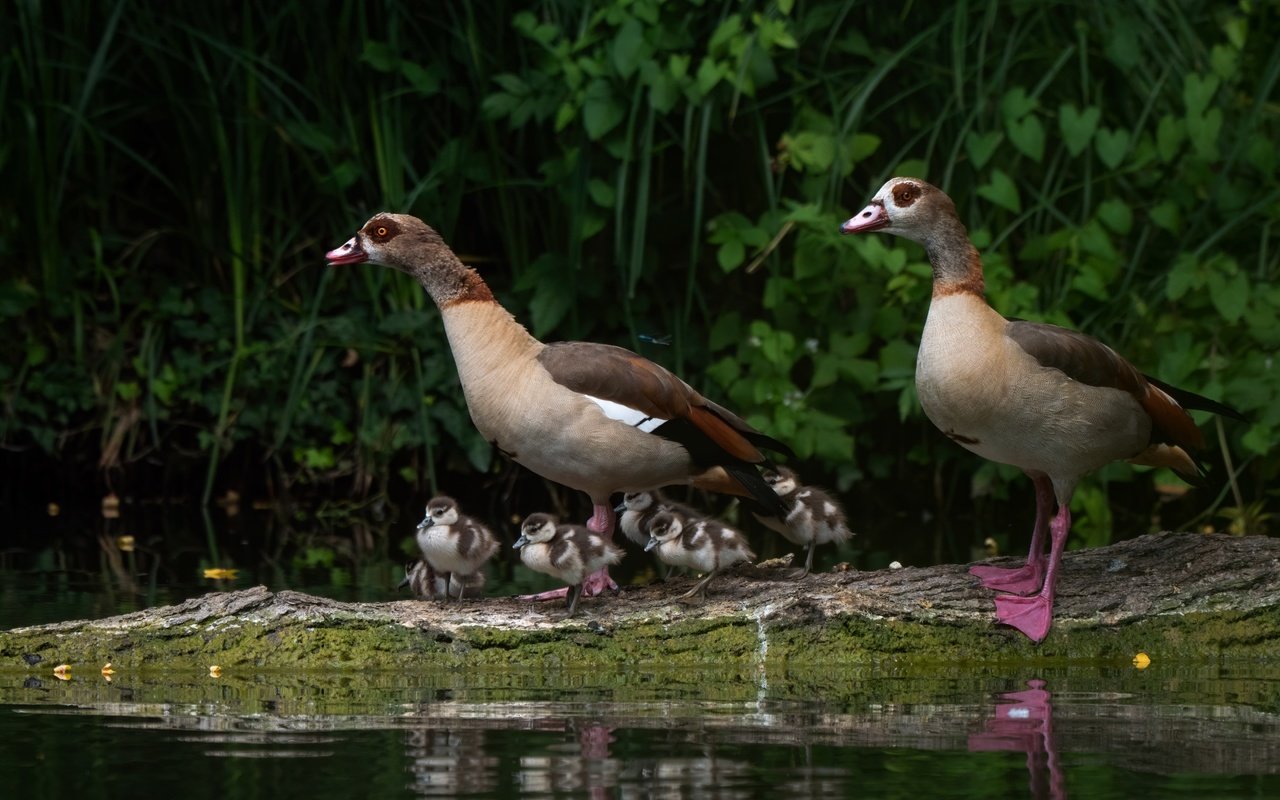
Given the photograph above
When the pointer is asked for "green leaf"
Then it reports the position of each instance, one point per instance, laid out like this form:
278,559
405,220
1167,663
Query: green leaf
628,47
664,92
1112,146
1001,191
981,147
128,390
1203,132
1224,61
811,150
1027,135
1170,134
709,74
731,255
550,303
862,145
426,81
1077,126
602,193
1116,215
1167,216
1184,275
380,56
1229,293
1197,91
601,113
1016,104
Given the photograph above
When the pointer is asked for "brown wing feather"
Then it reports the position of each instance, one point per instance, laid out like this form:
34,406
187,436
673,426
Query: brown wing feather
1087,360
621,376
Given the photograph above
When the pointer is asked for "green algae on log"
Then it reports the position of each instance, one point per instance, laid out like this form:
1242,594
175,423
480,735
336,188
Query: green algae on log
1174,595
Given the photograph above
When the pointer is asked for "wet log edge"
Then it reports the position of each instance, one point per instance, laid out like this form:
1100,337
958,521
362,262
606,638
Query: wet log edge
1174,595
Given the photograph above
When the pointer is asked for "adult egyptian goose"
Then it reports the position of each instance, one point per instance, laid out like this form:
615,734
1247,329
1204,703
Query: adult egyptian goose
813,516
571,553
704,545
1053,402
453,543
593,417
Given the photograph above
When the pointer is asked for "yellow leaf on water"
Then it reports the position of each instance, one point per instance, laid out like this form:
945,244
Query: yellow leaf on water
220,574
1142,661
62,672
107,670
215,671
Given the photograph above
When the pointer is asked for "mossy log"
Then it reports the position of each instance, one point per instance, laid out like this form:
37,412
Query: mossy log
1174,595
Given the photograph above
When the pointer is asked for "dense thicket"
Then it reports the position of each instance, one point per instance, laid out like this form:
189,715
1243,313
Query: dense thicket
666,176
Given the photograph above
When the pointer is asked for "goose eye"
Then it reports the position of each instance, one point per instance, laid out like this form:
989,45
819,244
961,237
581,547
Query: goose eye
905,195
381,231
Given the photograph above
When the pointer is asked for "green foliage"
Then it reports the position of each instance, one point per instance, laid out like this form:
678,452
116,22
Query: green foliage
616,169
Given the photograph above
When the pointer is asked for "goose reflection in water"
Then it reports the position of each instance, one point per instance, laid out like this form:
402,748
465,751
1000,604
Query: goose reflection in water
448,763
1023,722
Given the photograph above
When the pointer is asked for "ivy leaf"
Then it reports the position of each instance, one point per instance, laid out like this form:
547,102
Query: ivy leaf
1027,135
1184,276
628,47
380,56
1116,215
426,81
1112,146
1230,294
981,146
1197,91
1001,191
1016,104
601,113
1203,130
1169,136
1077,126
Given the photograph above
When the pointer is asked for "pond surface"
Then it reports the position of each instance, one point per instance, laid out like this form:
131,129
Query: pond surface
1040,731
1091,732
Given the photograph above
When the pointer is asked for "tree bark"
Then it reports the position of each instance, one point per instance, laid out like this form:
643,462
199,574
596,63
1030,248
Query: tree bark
1172,595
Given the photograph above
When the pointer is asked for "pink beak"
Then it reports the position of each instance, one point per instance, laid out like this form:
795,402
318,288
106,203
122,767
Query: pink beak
349,253
871,218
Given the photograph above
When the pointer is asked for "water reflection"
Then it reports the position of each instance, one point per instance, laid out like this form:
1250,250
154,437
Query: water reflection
1023,722
847,732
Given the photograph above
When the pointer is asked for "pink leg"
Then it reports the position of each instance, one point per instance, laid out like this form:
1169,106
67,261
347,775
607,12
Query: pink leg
1029,577
601,522
1033,615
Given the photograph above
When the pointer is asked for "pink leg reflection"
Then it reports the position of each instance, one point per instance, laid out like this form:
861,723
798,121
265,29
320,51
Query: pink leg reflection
1023,721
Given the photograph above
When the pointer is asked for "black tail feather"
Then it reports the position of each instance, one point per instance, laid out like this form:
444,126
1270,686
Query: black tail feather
761,492
1199,402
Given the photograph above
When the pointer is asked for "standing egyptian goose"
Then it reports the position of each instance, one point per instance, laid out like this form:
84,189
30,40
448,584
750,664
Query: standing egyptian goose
703,545
813,516
1053,402
592,417
571,553
453,543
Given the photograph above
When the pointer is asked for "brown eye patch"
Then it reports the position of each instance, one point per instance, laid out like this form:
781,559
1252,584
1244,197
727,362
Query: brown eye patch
381,230
905,194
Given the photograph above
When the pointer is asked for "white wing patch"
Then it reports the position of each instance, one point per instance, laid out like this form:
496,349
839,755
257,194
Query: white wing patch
626,414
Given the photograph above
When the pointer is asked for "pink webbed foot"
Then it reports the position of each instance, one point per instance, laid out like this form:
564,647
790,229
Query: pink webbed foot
1031,615
592,585
1027,579
597,582
550,594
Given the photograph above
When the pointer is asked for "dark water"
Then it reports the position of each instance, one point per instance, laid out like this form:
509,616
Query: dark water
1042,731
1089,732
